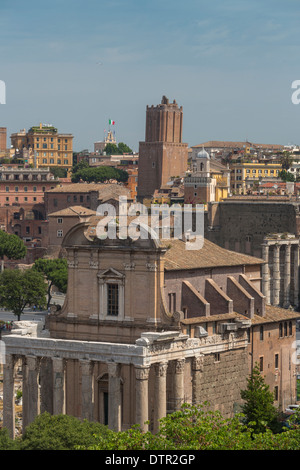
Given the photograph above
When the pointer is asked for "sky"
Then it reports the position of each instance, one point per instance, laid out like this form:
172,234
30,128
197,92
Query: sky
78,63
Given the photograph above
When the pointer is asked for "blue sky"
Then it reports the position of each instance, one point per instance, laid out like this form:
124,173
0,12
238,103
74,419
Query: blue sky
229,63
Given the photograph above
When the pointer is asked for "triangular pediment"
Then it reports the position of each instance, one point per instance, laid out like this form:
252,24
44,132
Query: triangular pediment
111,273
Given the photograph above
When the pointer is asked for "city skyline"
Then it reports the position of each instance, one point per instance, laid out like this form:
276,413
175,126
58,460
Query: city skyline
78,64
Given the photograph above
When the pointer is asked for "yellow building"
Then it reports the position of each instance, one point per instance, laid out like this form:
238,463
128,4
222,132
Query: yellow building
244,176
43,146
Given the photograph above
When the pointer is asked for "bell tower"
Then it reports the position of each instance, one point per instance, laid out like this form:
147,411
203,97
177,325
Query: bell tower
162,154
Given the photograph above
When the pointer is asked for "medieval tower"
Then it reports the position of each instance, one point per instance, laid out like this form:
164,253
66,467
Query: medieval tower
162,155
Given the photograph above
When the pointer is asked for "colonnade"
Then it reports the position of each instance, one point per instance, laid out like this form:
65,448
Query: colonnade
44,381
289,274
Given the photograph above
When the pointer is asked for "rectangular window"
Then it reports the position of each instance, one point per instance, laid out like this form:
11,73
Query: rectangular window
59,233
261,364
112,299
276,361
276,393
59,220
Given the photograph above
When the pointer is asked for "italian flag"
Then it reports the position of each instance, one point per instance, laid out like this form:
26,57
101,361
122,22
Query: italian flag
111,122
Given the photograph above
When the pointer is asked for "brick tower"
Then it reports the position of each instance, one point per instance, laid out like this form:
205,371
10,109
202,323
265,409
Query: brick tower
3,139
163,154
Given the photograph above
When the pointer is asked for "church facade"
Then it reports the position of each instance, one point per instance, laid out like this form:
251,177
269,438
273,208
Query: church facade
147,326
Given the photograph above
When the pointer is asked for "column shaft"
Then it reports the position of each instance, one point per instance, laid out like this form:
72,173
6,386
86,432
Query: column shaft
58,386
114,397
87,390
160,409
276,275
287,275
296,276
142,404
266,274
9,395
179,383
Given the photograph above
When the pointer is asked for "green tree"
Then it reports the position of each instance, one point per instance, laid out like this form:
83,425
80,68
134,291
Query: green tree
286,160
80,166
59,172
100,174
56,273
286,176
60,432
11,246
123,148
258,407
111,149
20,289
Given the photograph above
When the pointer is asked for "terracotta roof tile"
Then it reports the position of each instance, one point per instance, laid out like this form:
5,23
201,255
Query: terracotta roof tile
210,255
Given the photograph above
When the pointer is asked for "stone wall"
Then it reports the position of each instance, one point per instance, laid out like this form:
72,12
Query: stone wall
221,379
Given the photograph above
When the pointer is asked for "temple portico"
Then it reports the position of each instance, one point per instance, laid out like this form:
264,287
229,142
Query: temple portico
157,361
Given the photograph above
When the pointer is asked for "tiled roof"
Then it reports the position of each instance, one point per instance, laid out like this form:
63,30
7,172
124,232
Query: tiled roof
102,188
73,210
229,144
210,255
273,314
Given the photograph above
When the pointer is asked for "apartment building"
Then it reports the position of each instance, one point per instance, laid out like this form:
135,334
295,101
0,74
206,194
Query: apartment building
44,146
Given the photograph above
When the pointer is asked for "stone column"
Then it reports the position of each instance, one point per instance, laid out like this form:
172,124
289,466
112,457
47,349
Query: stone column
265,273
179,383
197,368
87,390
31,400
141,385
160,398
9,395
287,276
114,397
276,275
46,383
296,275
58,385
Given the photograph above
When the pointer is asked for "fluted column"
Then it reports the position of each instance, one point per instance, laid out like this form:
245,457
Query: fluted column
87,390
296,275
142,376
276,275
160,409
114,396
265,273
58,386
179,383
287,276
9,395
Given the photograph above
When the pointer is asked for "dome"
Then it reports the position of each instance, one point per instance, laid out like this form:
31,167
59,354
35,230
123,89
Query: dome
203,154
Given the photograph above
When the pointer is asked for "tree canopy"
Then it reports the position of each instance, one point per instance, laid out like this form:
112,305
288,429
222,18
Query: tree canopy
100,174
120,149
11,246
56,273
20,289
258,404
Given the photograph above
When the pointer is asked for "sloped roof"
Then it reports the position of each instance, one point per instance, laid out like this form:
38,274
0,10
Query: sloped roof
273,314
210,255
73,210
